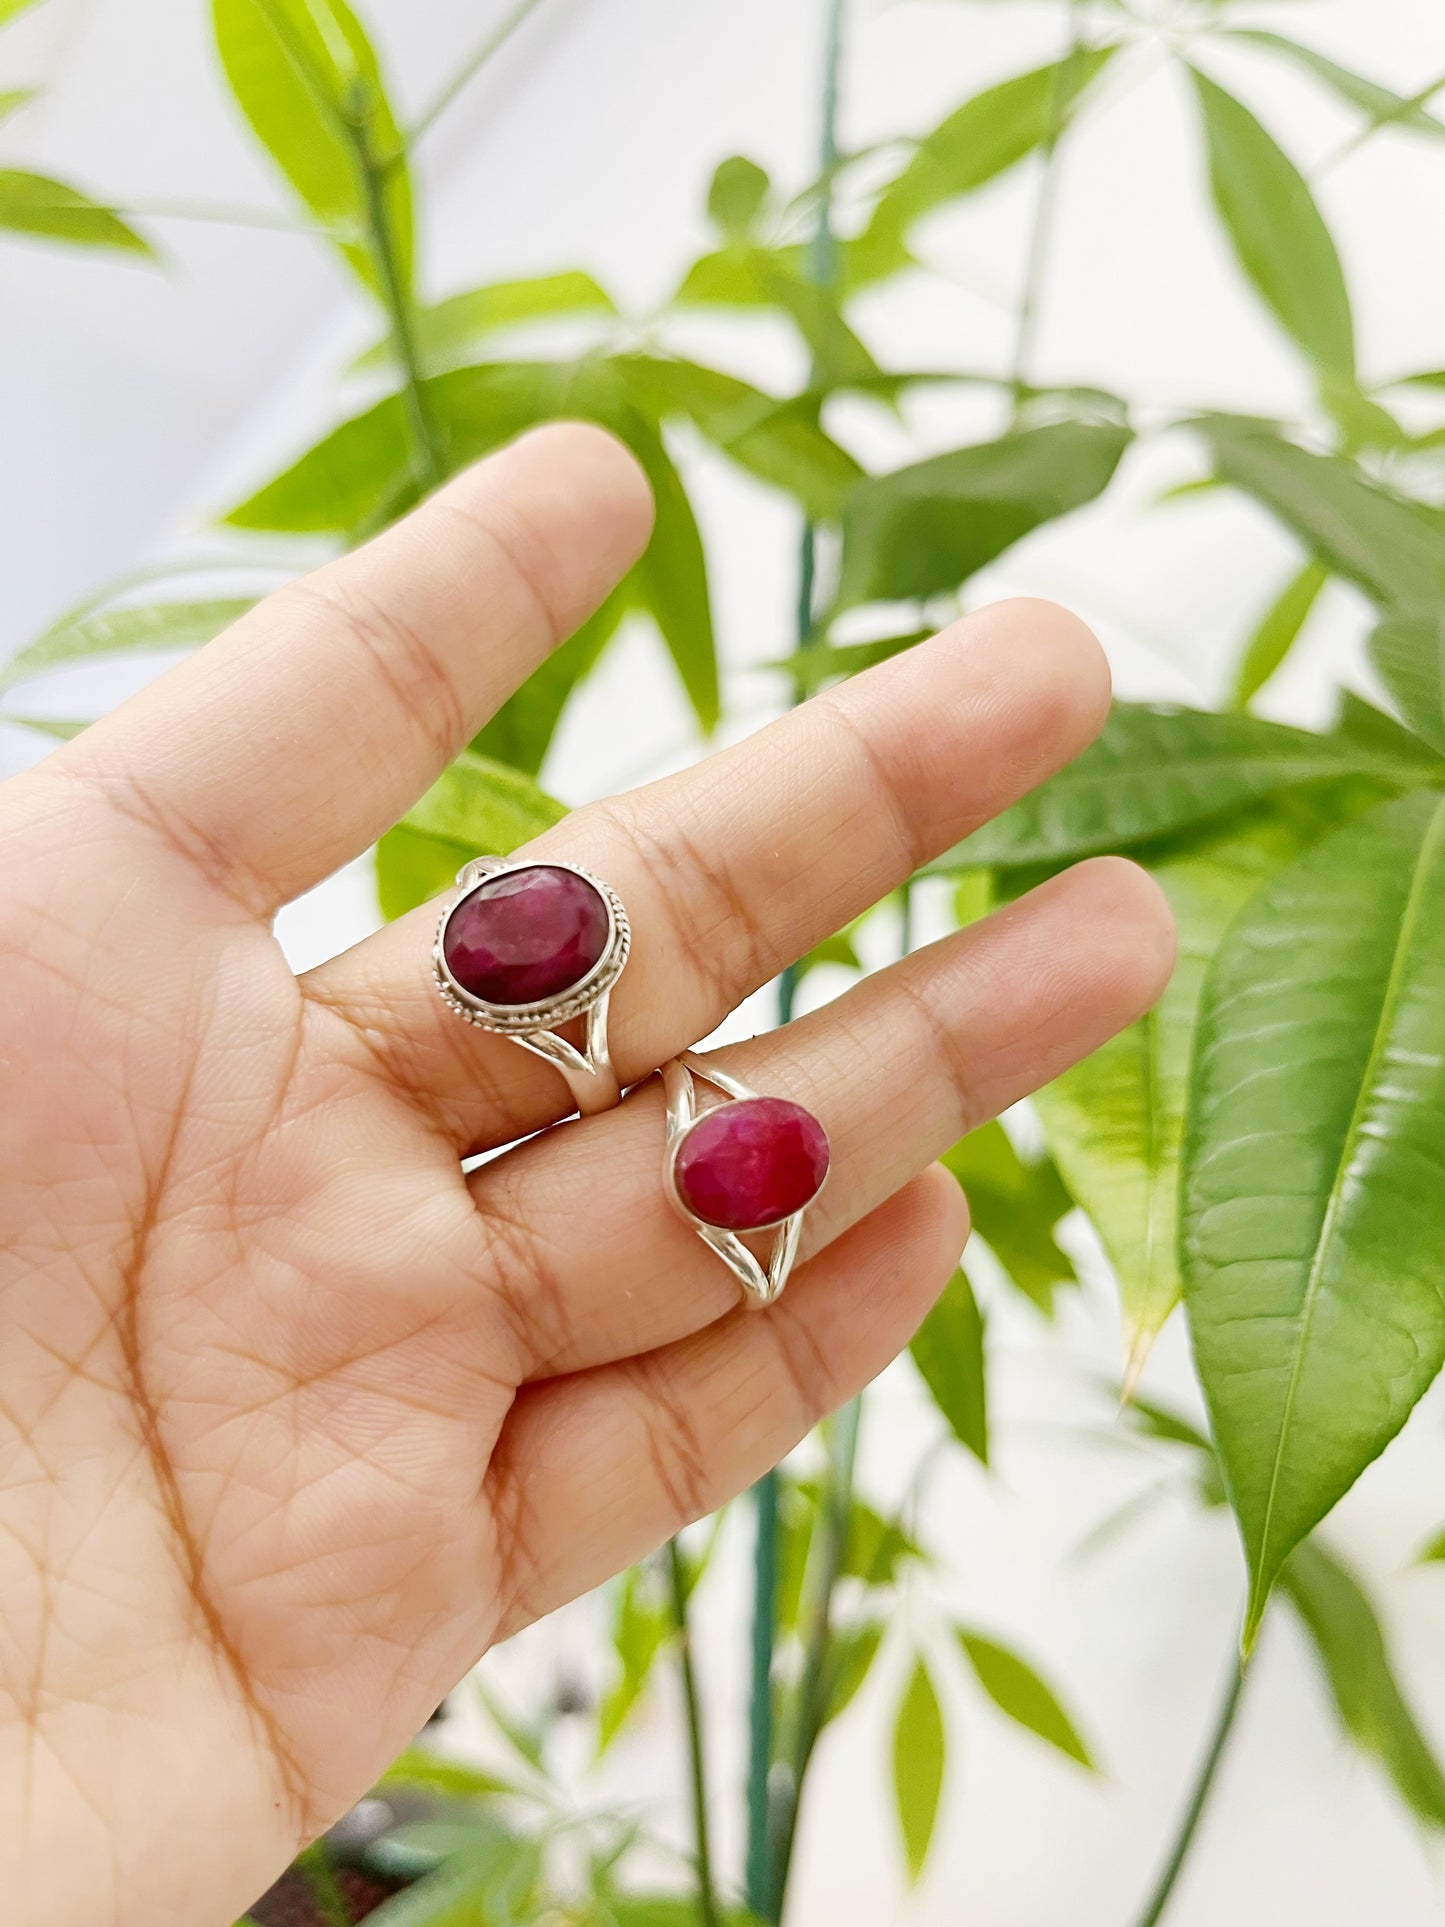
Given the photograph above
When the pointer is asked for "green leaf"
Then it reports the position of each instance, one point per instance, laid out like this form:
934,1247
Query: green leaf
1277,633
1359,529
1016,1689
430,1773
52,211
642,1625
1432,1552
669,1910
307,79
1410,659
853,1652
1347,1636
1313,1199
62,729
521,731
781,442
450,332
475,808
820,663
153,626
12,99
976,143
1155,771
1015,1203
672,580
475,1889
736,197
1115,1122
918,1762
11,9
1382,104
948,1350
746,275
1277,231
1360,723
925,529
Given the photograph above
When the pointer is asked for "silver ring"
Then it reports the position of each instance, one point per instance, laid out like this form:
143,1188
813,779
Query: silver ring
523,959
744,1164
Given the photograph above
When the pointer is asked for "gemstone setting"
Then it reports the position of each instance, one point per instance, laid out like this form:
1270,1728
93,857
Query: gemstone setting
749,1164
529,944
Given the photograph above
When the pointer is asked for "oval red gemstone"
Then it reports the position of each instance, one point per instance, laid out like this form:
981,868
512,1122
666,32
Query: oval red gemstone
527,935
751,1163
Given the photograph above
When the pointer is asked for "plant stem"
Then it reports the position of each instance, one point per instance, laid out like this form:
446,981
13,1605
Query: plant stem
815,1687
470,68
1043,225
1198,1800
314,1865
821,265
707,1907
428,466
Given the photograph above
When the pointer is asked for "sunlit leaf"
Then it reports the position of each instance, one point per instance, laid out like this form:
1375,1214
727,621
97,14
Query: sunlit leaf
307,79
736,197
1382,104
1016,1689
948,1350
1313,1199
1155,771
1361,530
10,9
449,333
12,99
1115,1122
1015,1203
1432,1553
475,808
1347,1636
131,631
918,1763
976,143
52,211
669,1910
781,442
1410,658
60,729
1277,231
925,529
1278,631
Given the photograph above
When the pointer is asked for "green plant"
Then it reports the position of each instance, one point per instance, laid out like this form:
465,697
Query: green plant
1265,1147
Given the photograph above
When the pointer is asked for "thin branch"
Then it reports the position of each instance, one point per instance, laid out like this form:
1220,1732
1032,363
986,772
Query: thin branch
1203,1786
470,68
707,1906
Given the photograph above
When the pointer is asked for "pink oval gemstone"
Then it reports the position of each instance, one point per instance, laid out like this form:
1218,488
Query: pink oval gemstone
526,936
751,1163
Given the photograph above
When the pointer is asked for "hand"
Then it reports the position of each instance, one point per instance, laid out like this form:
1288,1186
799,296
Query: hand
295,1419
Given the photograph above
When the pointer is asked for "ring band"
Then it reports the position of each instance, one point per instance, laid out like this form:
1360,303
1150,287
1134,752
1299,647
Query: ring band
528,946
746,1163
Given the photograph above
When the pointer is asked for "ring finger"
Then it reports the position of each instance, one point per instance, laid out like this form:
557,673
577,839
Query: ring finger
596,1266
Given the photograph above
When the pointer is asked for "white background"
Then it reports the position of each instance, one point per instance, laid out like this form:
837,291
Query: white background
136,403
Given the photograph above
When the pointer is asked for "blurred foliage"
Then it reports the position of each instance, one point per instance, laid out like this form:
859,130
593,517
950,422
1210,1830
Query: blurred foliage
1265,1146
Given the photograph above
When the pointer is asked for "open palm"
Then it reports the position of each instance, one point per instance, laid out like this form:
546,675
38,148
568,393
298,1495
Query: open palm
295,1417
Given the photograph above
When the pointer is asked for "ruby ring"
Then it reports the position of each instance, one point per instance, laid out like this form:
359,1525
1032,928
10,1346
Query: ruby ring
742,1164
526,947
